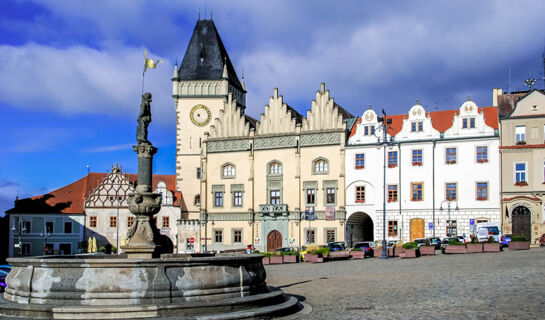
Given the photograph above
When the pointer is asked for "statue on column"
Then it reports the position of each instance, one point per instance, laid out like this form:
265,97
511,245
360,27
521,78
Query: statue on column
144,118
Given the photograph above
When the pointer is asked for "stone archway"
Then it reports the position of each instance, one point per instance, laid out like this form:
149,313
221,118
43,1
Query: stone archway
521,220
274,240
359,227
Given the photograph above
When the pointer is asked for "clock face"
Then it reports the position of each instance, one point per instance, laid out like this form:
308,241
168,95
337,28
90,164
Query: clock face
200,115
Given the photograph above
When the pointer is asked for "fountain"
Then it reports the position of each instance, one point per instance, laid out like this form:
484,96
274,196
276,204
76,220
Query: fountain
144,282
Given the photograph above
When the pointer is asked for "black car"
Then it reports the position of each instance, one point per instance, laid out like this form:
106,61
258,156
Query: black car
435,241
365,246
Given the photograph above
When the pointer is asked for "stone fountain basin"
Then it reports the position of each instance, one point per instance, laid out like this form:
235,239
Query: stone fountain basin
116,280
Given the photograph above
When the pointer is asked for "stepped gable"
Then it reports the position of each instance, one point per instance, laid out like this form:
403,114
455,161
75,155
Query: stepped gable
205,56
114,185
325,114
278,117
442,120
231,122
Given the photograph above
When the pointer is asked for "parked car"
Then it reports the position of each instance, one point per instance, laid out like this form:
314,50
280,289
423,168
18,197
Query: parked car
435,241
420,241
392,243
484,230
366,246
284,249
4,270
337,245
505,239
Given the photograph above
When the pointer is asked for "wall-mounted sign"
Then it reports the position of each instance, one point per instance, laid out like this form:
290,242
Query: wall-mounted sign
164,232
330,213
430,225
309,213
471,222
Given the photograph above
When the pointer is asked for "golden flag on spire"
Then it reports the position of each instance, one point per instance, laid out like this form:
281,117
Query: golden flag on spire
148,63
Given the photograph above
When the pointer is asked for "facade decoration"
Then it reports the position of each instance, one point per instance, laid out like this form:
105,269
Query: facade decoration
522,152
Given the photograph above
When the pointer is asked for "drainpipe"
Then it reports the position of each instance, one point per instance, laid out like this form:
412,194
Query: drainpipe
399,193
433,188
501,180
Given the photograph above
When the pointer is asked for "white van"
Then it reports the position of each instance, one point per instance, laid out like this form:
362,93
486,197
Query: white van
484,230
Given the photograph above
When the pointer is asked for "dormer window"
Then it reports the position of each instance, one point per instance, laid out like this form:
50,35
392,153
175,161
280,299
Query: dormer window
228,171
468,123
368,130
417,126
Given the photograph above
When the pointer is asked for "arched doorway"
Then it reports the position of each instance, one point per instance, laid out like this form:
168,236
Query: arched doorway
417,228
359,227
274,240
521,217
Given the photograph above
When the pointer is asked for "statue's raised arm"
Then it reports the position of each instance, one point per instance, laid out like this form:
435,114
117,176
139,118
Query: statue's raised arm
144,118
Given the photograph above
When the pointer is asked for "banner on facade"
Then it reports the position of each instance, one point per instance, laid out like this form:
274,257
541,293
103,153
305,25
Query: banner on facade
309,213
329,213
257,241
430,225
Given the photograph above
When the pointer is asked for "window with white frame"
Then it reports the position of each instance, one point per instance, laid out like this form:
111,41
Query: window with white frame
482,154
520,134
218,199
275,168
320,166
330,196
311,196
228,171
520,173
417,126
237,198
417,157
368,130
275,197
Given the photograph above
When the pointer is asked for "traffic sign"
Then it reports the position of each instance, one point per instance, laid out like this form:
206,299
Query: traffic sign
191,240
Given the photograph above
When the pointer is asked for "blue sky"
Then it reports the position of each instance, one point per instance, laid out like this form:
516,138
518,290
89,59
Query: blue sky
70,76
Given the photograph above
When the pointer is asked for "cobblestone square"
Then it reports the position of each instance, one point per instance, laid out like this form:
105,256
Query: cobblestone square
505,285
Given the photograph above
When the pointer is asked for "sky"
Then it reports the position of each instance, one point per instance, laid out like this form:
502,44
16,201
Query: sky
71,71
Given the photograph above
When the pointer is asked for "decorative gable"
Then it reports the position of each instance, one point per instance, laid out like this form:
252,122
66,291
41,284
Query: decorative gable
111,192
278,117
230,122
324,114
533,104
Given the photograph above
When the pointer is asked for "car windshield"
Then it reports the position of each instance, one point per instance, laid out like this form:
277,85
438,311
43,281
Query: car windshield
362,244
493,230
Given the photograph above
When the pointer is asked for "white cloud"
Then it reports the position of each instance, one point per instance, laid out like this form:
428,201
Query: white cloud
80,79
117,147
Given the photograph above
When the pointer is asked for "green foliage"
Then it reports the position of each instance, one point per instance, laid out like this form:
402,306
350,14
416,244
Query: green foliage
267,254
356,249
102,249
290,253
474,239
410,245
491,240
518,238
322,251
455,242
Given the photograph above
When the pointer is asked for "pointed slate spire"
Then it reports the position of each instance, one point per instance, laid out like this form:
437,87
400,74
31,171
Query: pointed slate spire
206,58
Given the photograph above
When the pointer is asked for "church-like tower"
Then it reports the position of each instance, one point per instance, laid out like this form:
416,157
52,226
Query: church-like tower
200,87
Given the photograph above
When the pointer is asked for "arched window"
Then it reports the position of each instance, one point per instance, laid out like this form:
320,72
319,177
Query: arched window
320,166
228,171
275,168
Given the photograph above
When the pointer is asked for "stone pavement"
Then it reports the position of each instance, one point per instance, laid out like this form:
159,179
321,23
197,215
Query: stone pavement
505,285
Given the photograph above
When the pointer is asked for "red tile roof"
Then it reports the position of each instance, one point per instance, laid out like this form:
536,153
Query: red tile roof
71,198
354,127
397,123
490,116
442,120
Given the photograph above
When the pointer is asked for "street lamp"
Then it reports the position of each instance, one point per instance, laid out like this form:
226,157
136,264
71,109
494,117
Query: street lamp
383,140
449,225
45,235
21,229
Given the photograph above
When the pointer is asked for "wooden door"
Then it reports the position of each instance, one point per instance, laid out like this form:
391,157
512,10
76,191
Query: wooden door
417,228
274,240
521,222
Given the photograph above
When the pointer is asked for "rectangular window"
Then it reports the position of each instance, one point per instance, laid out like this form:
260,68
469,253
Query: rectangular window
237,198
482,154
130,221
275,196
311,236
417,126
218,199
392,193
218,235
198,173
392,159
417,157
520,172
360,194
392,228
482,220
237,236
113,222
166,222
360,161
330,236
464,123
450,155
520,134
330,198
372,130
450,191
26,226
416,191
49,227
93,221
365,130
311,196
68,227
452,229
482,191
472,122
420,126
25,249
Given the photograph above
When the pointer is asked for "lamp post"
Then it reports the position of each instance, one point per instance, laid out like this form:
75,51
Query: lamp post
45,235
19,230
382,140
449,225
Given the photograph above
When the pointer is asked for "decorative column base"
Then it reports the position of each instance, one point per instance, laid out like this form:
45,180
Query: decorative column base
139,251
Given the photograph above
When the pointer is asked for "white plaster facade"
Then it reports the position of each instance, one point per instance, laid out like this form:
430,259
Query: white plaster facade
432,133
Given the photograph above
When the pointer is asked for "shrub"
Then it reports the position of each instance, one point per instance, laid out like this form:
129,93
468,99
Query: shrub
290,253
474,239
356,249
518,238
322,251
267,254
410,245
455,242
491,240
